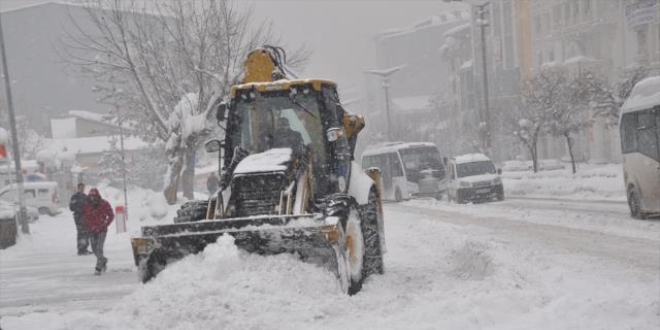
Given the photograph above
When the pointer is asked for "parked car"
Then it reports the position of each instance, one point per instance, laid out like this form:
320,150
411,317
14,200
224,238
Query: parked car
515,166
550,165
473,177
11,208
43,196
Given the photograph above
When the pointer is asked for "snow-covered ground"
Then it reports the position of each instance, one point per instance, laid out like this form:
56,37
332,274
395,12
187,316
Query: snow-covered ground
591,182
518,264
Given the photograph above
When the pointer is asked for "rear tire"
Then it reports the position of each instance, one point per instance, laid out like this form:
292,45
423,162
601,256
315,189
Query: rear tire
459,200
635,205
397,195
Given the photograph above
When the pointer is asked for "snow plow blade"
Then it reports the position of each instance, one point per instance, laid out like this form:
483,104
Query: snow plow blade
310,236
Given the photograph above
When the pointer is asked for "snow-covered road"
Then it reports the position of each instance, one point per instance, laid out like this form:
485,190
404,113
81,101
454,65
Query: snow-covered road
518,264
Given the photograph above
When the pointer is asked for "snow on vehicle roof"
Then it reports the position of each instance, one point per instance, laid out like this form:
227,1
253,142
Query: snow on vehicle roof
267,161
394,146
645,95
95,144
282,84
31,185
470,158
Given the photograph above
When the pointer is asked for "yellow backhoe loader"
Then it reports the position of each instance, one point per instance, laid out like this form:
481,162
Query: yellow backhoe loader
294,189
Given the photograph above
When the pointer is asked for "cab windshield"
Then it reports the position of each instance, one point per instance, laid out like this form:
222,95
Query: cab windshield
260,122
475,168
421,158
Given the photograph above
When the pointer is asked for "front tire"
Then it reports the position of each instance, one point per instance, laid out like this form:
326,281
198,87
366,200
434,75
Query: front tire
363,250
634,205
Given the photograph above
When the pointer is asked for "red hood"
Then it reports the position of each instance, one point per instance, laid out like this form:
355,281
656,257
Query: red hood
94,193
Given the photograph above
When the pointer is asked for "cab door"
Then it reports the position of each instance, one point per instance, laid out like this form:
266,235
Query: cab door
648,143
451,180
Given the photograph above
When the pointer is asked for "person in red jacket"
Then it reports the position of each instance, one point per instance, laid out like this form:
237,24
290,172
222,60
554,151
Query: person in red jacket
97,216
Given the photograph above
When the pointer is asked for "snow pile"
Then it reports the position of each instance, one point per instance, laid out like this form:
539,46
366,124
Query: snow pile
4,137
443,271
223,287
591,182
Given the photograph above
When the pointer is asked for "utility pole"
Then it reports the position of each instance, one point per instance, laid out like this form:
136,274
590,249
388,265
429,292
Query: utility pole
22,213
483,22
385,74
486,133
123,162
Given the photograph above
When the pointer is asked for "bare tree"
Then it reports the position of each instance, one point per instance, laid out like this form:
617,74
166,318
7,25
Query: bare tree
543,94
570,116
175,60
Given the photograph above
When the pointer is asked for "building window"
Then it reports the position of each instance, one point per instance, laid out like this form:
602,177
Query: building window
576,12
586,5
537,25
556,17
567,13
551,56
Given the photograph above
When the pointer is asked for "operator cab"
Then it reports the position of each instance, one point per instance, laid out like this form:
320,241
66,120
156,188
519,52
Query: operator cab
312,111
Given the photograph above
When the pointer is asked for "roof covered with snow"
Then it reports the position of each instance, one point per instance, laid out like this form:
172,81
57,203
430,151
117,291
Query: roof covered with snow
92,145
63,128
394,146
458,29
445,17
470,158
645,95
412,103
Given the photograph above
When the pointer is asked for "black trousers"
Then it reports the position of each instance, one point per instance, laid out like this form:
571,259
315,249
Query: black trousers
82,237
98,240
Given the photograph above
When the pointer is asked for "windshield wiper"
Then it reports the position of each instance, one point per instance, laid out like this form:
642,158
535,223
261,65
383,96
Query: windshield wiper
302,107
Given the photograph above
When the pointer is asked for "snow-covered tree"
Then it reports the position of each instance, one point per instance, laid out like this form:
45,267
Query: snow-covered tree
29,141
570,115
112,166
148,167
177,60
543,94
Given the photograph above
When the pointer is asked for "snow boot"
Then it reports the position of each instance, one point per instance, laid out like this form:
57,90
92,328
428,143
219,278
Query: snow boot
97,271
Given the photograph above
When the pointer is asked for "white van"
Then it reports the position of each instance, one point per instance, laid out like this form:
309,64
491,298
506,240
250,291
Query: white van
473,177
640,145
413,169
42,195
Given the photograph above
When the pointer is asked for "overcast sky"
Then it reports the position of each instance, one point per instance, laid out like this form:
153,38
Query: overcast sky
339,32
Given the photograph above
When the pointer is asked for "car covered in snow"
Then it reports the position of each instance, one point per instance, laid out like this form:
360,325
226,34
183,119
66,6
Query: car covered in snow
473,177
42,195
516,166
8,209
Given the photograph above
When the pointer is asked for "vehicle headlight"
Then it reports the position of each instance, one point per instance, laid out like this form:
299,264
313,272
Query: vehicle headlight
497,180
464,184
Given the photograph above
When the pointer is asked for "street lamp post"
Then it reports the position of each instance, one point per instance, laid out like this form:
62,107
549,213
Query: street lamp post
22,212
482,24
385,74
